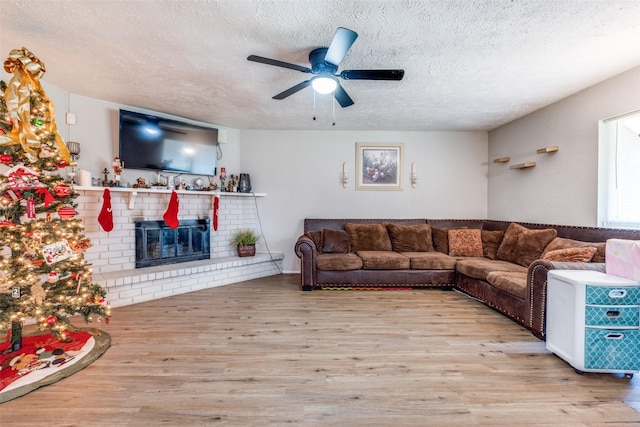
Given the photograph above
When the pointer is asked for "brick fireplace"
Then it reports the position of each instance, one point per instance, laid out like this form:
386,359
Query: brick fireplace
113,254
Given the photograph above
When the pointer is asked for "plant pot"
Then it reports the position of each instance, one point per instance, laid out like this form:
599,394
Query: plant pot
246,250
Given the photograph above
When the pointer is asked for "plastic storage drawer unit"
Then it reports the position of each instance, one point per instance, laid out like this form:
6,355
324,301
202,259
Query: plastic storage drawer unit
593,321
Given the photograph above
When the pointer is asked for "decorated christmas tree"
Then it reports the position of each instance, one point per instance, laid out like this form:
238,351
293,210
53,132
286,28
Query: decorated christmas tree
43,273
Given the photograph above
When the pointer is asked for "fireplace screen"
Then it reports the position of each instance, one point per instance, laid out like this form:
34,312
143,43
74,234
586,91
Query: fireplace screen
157,243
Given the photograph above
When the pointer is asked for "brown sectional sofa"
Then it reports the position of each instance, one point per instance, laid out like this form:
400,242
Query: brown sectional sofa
503,264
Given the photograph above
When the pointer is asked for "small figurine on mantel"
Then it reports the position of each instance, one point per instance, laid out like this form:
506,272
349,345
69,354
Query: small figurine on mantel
117,169
105,181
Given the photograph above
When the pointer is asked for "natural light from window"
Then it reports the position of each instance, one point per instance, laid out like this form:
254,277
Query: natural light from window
619,172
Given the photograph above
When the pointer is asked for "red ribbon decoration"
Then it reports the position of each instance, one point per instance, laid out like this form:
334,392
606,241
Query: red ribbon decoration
48,197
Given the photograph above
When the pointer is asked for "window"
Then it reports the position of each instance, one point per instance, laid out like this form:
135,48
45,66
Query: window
619,187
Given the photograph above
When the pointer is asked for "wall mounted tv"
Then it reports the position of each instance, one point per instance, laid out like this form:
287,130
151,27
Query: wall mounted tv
161,144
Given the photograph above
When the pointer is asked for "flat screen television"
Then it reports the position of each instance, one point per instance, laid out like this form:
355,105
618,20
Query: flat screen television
161,144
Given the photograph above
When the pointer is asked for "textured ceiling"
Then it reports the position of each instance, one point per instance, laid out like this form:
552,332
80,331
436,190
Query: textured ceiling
469,65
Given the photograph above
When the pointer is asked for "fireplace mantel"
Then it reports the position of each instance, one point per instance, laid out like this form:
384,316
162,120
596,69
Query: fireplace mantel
133,192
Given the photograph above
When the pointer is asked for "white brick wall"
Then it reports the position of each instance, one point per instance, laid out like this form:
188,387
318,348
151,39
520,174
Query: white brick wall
112,254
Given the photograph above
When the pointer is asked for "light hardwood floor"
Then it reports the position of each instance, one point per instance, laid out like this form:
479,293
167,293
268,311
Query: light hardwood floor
263,352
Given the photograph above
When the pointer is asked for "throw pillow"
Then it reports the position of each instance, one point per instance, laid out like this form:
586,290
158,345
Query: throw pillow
410,238
335,241
521,245
491,242
368,237
584,254
465,242
440,240
564,243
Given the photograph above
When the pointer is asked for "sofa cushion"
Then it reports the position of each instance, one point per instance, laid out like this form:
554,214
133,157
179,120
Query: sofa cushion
410,238
522,245
430,261
478,268
335,241
340,262
491,242
571,254
383,260
563,243
368,237
514,283
465,242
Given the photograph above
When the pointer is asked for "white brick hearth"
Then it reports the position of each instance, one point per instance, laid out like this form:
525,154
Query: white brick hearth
112,254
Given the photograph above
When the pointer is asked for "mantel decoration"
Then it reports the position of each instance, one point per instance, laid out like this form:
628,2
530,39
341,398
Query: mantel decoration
379,166
43,273
245,242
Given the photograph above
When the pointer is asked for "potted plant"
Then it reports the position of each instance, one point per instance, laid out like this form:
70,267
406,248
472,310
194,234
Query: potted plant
245,242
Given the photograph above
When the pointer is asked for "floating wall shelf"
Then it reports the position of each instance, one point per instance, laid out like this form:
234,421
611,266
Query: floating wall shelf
524,165
548,150
502,160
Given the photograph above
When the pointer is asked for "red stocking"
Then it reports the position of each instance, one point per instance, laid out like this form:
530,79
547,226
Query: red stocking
216,203
171,215
105,218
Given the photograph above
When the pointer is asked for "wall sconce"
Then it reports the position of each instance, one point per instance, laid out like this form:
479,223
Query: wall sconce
74,150
414,175
345,175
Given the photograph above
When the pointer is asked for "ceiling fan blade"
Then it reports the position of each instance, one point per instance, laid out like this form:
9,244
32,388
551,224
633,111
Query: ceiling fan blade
292,90
342,97
342,41
372,74
277,63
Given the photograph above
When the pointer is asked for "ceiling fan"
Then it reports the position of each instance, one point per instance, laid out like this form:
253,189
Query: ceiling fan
324,65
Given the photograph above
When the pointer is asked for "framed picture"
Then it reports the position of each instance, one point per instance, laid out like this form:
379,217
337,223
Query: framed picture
378,166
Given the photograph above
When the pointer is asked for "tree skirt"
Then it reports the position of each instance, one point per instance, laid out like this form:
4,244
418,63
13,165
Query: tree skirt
43,360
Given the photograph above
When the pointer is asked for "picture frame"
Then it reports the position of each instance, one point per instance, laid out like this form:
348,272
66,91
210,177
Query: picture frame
379,166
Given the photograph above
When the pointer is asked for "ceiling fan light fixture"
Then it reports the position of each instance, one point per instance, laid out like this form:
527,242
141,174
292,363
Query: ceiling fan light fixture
324,84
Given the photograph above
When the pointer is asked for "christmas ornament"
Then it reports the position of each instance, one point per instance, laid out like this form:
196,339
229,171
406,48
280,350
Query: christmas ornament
80,245
51,320
53,277
22,178
12,195
6,159
171,215
105,218
56,252
66,212
46,152
31,208
62,190
38,293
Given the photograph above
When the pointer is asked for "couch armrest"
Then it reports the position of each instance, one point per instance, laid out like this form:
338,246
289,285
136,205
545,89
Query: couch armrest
537,289
306,250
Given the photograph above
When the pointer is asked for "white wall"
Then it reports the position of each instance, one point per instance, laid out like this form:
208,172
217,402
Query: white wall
301,173
301,170
562,188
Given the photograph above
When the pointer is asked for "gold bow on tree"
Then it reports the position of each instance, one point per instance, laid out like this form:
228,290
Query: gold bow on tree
27,71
